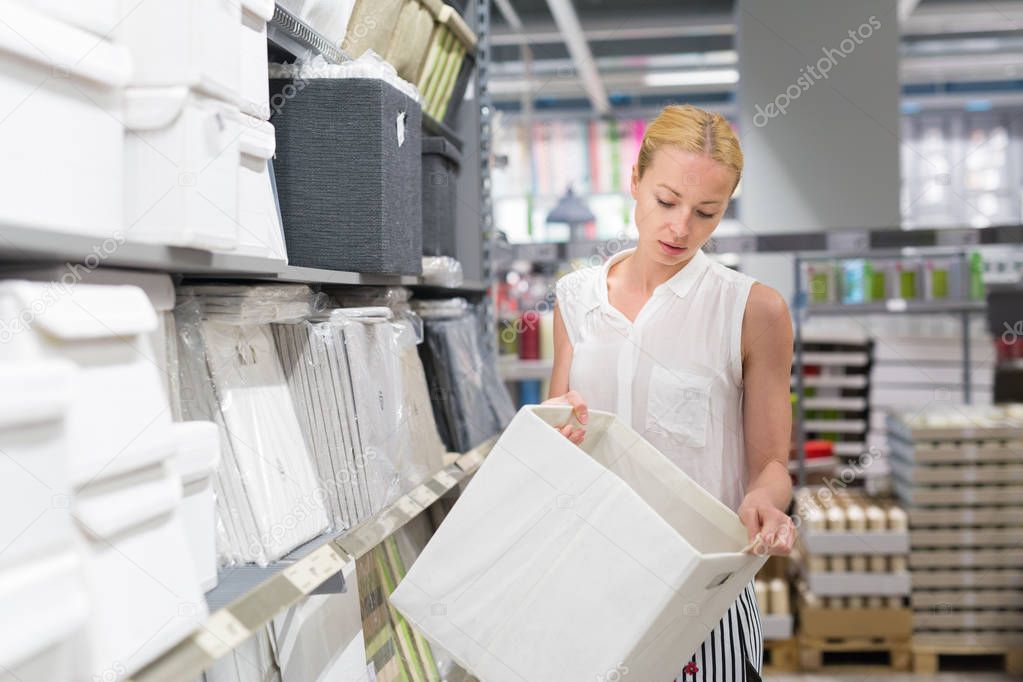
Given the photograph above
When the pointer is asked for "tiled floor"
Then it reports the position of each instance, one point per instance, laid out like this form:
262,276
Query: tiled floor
888,677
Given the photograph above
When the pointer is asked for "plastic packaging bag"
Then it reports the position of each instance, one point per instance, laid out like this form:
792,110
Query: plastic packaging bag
469,399
443,271
364,407
268,498
369,65
395,298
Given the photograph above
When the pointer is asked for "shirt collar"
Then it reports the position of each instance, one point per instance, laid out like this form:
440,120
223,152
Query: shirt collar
680,283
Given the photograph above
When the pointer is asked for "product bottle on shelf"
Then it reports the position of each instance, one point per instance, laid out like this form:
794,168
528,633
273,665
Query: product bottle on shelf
778,596
836,524
897,521
877,521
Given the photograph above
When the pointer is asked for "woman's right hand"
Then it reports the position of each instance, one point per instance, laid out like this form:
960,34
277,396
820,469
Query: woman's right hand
579,409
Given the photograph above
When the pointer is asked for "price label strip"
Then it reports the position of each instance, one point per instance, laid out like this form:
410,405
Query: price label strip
315,569
221,633
424,495
445,479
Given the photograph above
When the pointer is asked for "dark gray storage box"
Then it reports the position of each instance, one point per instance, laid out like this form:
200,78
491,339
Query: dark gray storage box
441,162
350,194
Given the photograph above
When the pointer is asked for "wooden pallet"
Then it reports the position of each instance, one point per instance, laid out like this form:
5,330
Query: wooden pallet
859,654
928,658
781,656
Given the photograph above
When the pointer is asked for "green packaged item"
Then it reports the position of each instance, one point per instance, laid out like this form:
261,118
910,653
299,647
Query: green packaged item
819,285
976,276
878,285
907,282
937,286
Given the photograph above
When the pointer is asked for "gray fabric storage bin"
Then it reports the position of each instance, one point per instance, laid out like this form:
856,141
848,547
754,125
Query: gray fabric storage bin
350,194
441,162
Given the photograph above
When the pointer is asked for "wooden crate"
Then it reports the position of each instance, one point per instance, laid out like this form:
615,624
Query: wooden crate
860,654
931,658
781,656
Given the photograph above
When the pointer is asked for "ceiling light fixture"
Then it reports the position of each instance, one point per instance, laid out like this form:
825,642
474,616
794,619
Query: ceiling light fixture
701,77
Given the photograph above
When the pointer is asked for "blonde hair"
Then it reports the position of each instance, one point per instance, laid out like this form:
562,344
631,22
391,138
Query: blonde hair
693,130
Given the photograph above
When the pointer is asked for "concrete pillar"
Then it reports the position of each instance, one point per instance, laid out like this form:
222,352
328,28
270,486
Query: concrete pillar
818,114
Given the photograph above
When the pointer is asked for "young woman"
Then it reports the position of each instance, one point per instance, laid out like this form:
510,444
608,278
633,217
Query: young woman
695,356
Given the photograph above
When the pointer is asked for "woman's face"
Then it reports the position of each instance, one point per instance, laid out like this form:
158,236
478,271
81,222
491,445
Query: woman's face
679,202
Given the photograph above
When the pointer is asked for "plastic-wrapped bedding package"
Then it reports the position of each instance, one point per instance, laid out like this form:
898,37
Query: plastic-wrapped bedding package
395,298
363,405
374,360
269,500
469,399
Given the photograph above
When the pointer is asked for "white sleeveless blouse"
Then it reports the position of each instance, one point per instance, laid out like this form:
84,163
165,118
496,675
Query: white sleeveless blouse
675,373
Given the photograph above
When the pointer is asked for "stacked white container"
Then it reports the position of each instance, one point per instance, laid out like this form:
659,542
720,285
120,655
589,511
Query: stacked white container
61,93
124,500
42,593
200,71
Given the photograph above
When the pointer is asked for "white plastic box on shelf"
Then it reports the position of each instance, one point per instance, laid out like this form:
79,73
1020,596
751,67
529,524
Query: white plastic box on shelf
192,43
198,454
254,89
34,400
259,231
181,168
139,567
62,136
45,607
159,288
117,401
97,16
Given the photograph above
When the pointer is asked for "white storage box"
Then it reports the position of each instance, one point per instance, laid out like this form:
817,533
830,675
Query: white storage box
62,136
254,97
45,606
198,453
34,400
181,168
159,288
610,538
98,16
139,568
118,412
259,230
194,43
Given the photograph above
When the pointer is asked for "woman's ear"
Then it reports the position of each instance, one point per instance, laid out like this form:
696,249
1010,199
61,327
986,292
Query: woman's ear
634,184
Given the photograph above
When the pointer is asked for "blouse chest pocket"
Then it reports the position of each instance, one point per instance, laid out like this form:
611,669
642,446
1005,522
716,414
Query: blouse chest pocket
678,406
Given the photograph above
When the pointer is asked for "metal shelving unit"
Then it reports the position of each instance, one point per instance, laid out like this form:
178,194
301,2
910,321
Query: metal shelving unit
897,306
23,246
251,595
514,369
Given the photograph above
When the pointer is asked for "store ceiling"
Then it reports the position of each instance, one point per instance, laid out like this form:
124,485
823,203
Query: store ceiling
944,41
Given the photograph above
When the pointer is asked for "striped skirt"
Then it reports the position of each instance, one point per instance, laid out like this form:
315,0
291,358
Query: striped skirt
737,638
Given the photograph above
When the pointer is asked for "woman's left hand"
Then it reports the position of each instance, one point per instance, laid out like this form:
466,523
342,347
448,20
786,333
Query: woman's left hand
770,530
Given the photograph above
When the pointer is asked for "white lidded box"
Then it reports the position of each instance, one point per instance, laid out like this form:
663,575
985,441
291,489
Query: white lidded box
34,517
198,454
118,409
98,16
181,168
45,607
138,567
561,562
192,43
254,90
62,136
259,222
